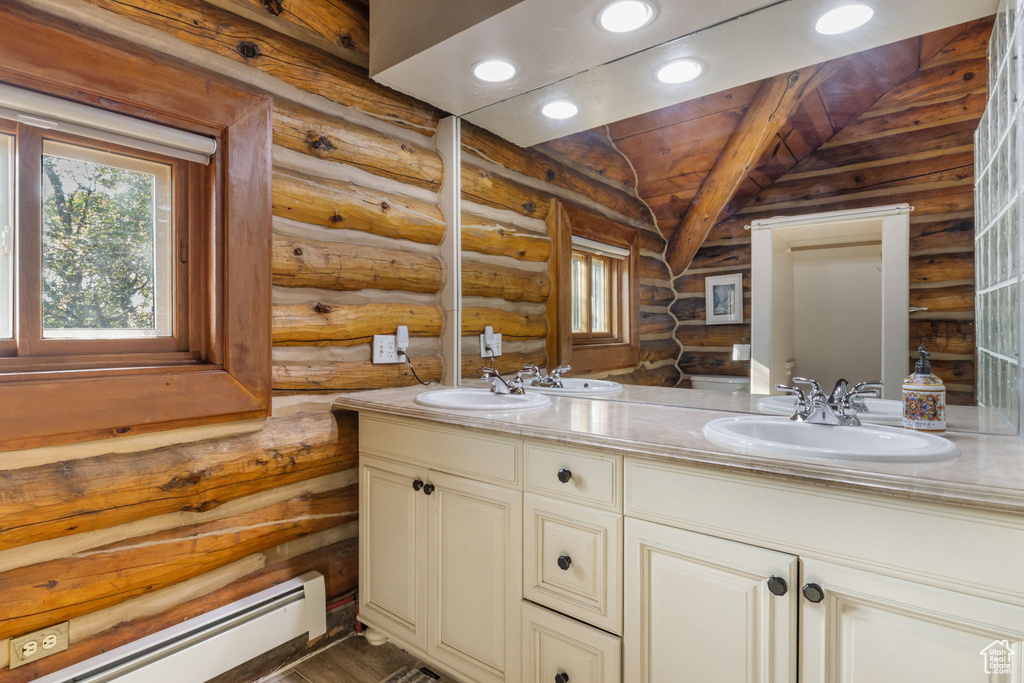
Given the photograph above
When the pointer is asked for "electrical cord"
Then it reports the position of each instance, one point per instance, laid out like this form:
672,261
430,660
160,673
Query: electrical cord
408,361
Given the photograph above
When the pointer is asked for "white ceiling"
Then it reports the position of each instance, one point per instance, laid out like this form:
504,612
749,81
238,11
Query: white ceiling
562,53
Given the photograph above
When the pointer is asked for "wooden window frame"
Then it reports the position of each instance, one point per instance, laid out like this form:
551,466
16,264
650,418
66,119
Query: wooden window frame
588,356
618,274
220,370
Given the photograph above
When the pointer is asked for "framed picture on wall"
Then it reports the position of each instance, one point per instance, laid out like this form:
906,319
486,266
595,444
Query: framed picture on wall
723,295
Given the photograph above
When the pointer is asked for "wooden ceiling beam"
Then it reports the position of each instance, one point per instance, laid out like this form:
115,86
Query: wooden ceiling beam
774,104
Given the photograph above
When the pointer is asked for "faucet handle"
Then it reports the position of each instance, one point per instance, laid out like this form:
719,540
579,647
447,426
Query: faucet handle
560,370
802,407
529,371
489,372
813,383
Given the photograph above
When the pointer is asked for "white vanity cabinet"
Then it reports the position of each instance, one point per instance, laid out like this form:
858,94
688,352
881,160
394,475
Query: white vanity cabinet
503,559
441,554
700,608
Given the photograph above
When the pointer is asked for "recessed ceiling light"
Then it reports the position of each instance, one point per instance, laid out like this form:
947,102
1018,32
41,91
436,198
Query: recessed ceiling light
843,19
625,16
494,70
680,71
560,110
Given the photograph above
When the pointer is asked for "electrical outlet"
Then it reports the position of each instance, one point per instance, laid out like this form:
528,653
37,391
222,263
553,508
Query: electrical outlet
385,349
495,349
43,643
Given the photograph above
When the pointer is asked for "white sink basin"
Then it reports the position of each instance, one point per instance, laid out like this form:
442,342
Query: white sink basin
880,410
481,399
781,436
580,387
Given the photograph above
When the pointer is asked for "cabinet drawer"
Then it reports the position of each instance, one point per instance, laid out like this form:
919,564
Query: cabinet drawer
572,560
596,477
455,450
553,644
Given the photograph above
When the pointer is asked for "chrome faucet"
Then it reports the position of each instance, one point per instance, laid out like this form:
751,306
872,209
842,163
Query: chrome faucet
553,380
500,386
838,409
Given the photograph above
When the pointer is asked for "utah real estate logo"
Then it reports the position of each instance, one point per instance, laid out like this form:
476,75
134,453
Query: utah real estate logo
998,657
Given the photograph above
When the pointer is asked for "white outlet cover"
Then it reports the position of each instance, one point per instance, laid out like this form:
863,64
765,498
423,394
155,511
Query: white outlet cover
495,347
385,349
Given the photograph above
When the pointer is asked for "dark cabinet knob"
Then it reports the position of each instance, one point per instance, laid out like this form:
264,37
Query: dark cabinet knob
564,475
777,586
562,678
814,592
564,562
428,489
417,485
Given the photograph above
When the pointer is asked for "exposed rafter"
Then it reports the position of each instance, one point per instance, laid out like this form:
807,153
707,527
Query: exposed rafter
774,104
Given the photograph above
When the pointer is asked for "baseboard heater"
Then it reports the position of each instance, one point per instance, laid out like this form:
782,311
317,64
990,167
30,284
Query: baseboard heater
209,645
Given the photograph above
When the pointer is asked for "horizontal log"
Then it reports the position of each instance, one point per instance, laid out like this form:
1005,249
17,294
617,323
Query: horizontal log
829,156
712,363
655,350
952,299
595,150
64,498
656,323
941,200
945,81
694,284
345,24
326,137
695,308
38,595
943,336
934,112
942,267
337,563
724,256
506,363
665,376
354,376
942,234
292,61
952,371
324,324
535,164
652,269
503,282
651,241
652,295
334,204
486,236
948,168
484,187
300,262
509,324
712,335
730,229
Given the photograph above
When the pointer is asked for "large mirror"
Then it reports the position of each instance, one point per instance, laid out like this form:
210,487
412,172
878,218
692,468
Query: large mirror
819,224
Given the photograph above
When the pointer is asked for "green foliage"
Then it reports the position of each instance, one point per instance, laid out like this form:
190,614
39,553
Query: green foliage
98,235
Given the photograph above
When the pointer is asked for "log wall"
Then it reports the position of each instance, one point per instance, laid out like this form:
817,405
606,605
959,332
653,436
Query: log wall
506,246
915,144
124,538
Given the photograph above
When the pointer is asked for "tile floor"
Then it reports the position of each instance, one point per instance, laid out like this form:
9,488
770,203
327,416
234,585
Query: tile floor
350,661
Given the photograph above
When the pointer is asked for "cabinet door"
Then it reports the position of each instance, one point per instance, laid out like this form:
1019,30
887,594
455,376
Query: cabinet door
870,628
392,549
557,648
699,609
475,587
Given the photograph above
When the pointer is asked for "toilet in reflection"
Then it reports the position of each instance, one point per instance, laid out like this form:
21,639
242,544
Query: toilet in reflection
720,383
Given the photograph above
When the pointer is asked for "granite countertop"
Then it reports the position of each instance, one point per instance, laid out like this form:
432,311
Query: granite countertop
988,473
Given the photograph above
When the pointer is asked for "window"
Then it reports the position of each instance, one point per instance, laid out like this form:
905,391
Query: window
599,291
135,211
92,254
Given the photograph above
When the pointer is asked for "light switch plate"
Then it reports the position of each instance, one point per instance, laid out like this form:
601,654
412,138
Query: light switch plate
385,349
42,643
495,347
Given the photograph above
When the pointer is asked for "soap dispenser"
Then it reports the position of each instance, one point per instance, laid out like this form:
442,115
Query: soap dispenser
924,397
